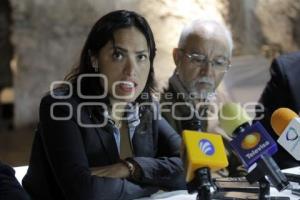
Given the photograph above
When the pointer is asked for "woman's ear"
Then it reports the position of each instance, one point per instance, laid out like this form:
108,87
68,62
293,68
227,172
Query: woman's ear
94,62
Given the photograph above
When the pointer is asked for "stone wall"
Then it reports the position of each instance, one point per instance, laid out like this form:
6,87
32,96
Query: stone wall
48,35
279,22
245,27
167,18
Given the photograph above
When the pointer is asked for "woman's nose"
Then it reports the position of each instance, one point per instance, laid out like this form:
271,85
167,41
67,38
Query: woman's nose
130,67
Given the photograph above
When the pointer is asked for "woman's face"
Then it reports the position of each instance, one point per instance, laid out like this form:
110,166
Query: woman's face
126,64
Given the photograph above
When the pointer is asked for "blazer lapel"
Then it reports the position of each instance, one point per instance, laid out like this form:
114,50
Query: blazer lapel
106,137
143,137
105,134
108,141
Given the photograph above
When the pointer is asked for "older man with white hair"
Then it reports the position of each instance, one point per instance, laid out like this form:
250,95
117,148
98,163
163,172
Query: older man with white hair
202,58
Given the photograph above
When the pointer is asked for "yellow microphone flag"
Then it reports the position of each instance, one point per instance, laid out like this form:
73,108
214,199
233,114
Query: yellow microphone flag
203,150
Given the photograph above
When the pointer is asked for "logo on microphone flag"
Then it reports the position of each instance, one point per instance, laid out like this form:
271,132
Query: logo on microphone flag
206,147
291,134
290,138
253,142
250,141
203,150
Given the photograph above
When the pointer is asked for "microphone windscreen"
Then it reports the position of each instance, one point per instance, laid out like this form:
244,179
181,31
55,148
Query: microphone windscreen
231,116
281,118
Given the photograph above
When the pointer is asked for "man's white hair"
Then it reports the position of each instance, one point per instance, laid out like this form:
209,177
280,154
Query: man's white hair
206,29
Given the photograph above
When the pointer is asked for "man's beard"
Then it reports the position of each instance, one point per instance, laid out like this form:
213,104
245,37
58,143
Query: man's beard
204,93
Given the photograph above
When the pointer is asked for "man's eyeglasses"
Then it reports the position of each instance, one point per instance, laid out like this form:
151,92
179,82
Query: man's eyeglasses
220,64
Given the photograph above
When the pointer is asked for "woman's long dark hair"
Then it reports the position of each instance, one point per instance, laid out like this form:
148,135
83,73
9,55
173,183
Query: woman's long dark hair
101,33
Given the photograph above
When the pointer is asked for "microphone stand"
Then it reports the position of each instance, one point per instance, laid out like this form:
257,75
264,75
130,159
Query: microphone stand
264,188
267,167
257,190
208,188
256,181
202,182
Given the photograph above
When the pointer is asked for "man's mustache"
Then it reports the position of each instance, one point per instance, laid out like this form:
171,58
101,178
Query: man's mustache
205,80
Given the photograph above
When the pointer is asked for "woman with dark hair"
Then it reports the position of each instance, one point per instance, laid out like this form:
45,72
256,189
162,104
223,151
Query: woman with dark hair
100,135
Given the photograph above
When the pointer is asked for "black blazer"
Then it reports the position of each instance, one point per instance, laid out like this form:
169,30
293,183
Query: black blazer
10,188
63,152
282,90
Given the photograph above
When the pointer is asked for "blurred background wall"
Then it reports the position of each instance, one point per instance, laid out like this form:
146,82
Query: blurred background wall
40,40
47,36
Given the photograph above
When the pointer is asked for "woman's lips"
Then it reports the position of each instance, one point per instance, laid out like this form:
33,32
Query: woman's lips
127,86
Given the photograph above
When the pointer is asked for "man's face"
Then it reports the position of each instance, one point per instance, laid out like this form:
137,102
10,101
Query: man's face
200,76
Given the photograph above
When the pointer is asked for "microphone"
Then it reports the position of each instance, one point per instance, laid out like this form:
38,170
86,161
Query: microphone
286,124
203,150
202,153
250,141
253,145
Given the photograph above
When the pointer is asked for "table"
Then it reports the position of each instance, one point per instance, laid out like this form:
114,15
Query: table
182,194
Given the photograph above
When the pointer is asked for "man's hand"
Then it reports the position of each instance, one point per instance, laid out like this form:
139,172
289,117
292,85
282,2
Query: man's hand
118,170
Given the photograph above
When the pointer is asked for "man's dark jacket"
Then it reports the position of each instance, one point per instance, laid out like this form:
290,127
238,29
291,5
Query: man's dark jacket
282,90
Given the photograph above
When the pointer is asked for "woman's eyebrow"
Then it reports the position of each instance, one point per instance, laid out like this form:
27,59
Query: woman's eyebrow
125,50
142,51
119,48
